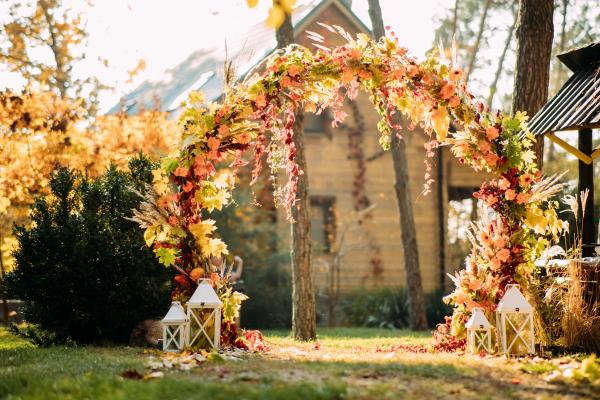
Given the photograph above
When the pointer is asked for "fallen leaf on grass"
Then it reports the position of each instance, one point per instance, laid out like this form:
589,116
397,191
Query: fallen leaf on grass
214,356
154,375
131,374
254,341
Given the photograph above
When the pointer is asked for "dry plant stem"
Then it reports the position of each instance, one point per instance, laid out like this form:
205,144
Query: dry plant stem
581,322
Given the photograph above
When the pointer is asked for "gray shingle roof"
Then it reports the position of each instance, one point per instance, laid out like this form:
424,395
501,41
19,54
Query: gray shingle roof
203,69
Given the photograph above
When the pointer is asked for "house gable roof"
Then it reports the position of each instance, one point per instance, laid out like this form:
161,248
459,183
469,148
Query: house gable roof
203,69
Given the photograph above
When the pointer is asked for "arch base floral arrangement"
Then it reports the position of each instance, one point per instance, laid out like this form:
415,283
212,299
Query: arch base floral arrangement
256,116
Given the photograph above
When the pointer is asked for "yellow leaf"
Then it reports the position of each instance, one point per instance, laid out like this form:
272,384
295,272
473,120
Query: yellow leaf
528,157
150,234
441,122
4,204
287,5
252,3
276,17
202,229
160,182
217,247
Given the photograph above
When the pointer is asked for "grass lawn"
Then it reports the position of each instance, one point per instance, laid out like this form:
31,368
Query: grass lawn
347,363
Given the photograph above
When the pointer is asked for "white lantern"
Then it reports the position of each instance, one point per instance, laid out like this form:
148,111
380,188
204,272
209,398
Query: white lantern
204,313
479,332
514,321
174,326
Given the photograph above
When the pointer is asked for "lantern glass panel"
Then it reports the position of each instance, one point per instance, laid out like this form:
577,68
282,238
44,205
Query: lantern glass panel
517,330
174,337
479,340
203,332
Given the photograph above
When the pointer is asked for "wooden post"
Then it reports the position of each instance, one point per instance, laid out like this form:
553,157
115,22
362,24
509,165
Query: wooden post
586,181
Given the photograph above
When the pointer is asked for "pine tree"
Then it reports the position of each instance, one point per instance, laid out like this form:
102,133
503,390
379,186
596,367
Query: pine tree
303,292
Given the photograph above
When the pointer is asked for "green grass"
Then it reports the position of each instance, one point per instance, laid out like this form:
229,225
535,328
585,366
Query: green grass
345,365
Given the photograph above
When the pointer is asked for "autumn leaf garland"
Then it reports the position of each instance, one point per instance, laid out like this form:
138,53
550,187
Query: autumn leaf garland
430,94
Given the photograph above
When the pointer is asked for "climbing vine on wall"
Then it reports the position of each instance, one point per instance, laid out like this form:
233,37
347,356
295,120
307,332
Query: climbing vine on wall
360,196
193,182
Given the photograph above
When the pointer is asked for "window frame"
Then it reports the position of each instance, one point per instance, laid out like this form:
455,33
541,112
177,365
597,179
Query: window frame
327,204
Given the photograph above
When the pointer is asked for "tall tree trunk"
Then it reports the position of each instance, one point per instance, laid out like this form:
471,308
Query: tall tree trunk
416,309
303,293
416,301
499,69
454,20
560,68
477,44
535,31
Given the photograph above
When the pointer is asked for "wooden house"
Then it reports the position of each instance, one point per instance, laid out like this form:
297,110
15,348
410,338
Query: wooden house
346,168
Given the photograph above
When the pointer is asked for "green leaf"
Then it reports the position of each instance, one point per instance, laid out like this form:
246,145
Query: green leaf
209,122
214,356
512,124
168,164
166,256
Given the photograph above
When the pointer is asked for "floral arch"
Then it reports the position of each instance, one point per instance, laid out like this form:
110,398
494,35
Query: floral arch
192,182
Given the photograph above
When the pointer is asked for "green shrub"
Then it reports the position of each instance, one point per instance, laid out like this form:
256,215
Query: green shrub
37,336
83,270
383,308
436,309
388,308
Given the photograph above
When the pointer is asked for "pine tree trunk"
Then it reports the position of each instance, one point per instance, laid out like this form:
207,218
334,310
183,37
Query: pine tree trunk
477,44
416,301
500,67
454,20
535,31
303,293
560,68
417,319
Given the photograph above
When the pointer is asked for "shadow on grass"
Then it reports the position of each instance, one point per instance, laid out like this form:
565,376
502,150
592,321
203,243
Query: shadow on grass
91,372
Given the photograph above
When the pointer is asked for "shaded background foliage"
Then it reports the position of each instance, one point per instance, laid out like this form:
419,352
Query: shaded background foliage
83,270
251,233
388,308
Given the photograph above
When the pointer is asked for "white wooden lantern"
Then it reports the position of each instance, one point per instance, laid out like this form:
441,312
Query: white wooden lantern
204,313
479,332
175,326
514,321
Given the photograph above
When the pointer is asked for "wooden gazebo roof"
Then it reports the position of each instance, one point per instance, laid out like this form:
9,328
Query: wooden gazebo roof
577,103
576,106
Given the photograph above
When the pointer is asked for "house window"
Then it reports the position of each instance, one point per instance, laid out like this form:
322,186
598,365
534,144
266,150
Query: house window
317,124
322,222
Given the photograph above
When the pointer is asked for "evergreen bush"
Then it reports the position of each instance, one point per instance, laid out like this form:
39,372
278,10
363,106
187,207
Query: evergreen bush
83,269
